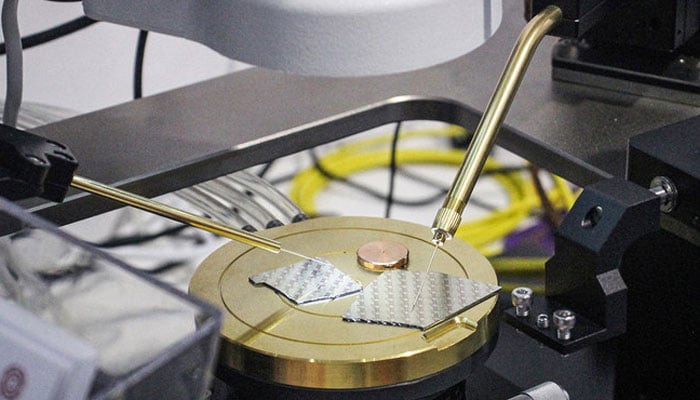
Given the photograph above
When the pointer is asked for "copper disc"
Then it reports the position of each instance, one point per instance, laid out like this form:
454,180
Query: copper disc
380,255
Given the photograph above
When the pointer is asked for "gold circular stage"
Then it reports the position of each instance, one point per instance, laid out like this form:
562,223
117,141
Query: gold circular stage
269,338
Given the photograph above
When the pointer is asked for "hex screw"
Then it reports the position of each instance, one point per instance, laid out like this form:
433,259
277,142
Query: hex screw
564,320
543,321
521,298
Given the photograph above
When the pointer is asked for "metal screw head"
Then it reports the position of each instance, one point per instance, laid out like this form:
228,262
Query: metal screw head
521,297
543,321
667,192
564,320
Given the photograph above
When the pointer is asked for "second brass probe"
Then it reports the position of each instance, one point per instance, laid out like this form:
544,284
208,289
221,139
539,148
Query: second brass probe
449,216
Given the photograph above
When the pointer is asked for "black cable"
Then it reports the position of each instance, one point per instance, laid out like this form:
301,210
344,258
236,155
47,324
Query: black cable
423,180
551,215
437,185
265,169
505,170
14,62
164,267
392,170
282,179
138,64
140,239
56,32
443,189
367,190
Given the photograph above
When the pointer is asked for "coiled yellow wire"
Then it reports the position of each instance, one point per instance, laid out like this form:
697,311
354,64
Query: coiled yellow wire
483,233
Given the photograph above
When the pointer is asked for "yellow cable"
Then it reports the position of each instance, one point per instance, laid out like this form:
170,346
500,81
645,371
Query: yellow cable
481,233
516,265
478,232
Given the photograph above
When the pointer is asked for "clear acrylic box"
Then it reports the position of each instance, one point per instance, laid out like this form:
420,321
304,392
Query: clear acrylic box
152,341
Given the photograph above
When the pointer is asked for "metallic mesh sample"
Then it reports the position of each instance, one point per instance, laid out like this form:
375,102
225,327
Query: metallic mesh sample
388,299
308,281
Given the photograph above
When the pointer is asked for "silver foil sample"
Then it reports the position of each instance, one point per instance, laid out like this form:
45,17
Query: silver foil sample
308,281
388,299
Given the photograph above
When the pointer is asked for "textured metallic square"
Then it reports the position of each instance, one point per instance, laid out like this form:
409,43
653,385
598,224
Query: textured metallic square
388,299
308,281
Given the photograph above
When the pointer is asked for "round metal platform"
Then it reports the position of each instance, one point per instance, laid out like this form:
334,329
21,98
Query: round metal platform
270,339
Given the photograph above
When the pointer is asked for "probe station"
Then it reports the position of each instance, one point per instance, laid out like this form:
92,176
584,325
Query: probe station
603,93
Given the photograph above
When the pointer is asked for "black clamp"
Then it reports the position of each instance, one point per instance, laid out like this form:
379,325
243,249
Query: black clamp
32,166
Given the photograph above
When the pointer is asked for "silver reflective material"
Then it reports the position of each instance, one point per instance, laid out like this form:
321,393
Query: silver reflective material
387,300
308,281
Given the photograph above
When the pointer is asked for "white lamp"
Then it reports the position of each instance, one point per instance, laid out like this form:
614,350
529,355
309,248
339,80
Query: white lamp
318,37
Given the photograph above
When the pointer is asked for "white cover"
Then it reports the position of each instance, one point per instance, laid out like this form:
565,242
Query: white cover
318,37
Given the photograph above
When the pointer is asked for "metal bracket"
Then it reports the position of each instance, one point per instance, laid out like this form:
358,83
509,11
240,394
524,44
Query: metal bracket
583,275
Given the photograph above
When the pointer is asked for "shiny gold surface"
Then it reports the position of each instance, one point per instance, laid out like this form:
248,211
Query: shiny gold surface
449,215
380,255
268,337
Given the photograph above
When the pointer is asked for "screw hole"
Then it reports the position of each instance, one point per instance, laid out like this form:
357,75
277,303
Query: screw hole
592,217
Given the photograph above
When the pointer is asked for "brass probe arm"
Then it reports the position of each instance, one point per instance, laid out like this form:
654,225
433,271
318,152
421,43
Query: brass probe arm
449,216
176,214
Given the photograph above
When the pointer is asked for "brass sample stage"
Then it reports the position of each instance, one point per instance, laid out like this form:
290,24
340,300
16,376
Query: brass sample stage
270,339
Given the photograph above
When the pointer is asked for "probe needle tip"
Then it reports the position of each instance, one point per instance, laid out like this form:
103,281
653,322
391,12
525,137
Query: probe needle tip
303,256
425,278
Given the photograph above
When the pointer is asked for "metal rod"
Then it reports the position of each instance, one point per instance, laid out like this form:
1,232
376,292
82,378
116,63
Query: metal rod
449,216
176,214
